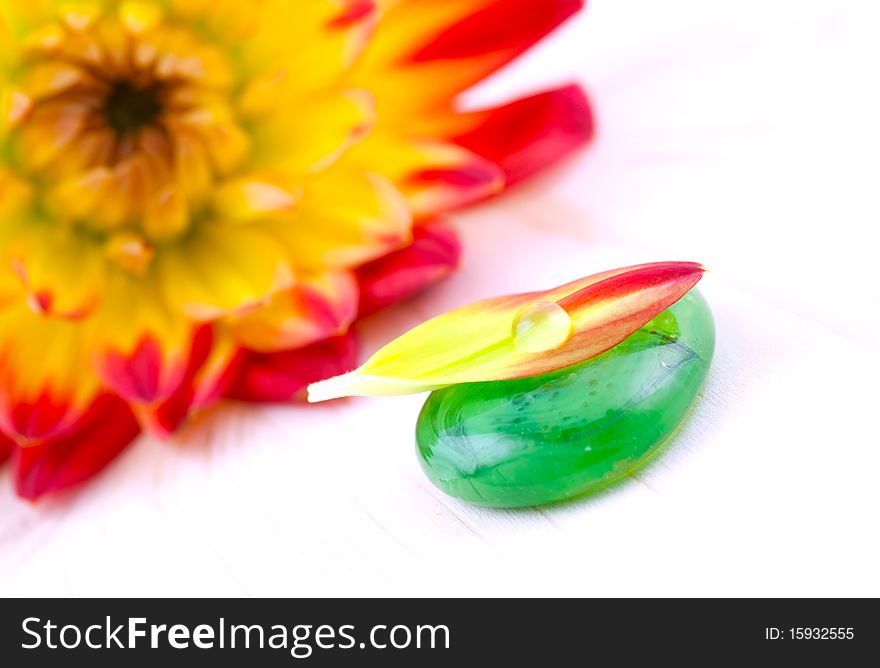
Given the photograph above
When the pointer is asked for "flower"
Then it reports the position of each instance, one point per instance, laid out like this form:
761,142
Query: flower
198,199
518,336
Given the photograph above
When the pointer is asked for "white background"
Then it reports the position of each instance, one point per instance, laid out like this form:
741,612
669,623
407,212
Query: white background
744,134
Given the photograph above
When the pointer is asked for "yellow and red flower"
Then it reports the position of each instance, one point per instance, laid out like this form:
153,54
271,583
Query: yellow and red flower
199,198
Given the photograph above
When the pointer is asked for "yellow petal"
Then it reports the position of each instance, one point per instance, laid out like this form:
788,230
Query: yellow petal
251,198
129,251
11,290
225,143
21,18
49,131
62,271
79,16
15,195
519,335
103,197
167,215
316,41
324,129
221,269
192,166
51,78
140,17
15,105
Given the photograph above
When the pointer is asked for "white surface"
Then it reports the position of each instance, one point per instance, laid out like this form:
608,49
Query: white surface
742,134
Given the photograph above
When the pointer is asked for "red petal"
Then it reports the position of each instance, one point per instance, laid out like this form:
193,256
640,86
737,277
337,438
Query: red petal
39,418
435,190
528,135
151,373
137,376
281,377
431,257
509,27
7,445
198,390
55,464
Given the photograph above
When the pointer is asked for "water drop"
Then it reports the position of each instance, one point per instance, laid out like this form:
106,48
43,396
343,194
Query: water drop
541,327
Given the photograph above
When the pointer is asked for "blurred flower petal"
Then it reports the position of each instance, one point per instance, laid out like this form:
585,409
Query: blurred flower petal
529,135
433,254
7,446
62,273
141,353
214,364
56,464
45,380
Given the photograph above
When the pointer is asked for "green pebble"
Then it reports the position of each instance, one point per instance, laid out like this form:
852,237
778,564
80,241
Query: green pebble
552,437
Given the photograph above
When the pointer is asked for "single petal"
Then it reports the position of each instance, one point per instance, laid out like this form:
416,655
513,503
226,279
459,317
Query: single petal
284,376
483,341
528,135
55,464
45,380
431,256
316,308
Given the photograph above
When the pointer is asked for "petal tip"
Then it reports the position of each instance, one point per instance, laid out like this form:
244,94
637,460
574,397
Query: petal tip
337,387
359,384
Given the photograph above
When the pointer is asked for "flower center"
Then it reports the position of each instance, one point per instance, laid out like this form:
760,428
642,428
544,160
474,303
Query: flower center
127,124
129,108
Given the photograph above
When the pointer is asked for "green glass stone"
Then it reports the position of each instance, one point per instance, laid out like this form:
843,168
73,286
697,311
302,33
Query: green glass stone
547,438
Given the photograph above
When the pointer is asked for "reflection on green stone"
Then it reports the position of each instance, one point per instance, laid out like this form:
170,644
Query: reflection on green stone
552,437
